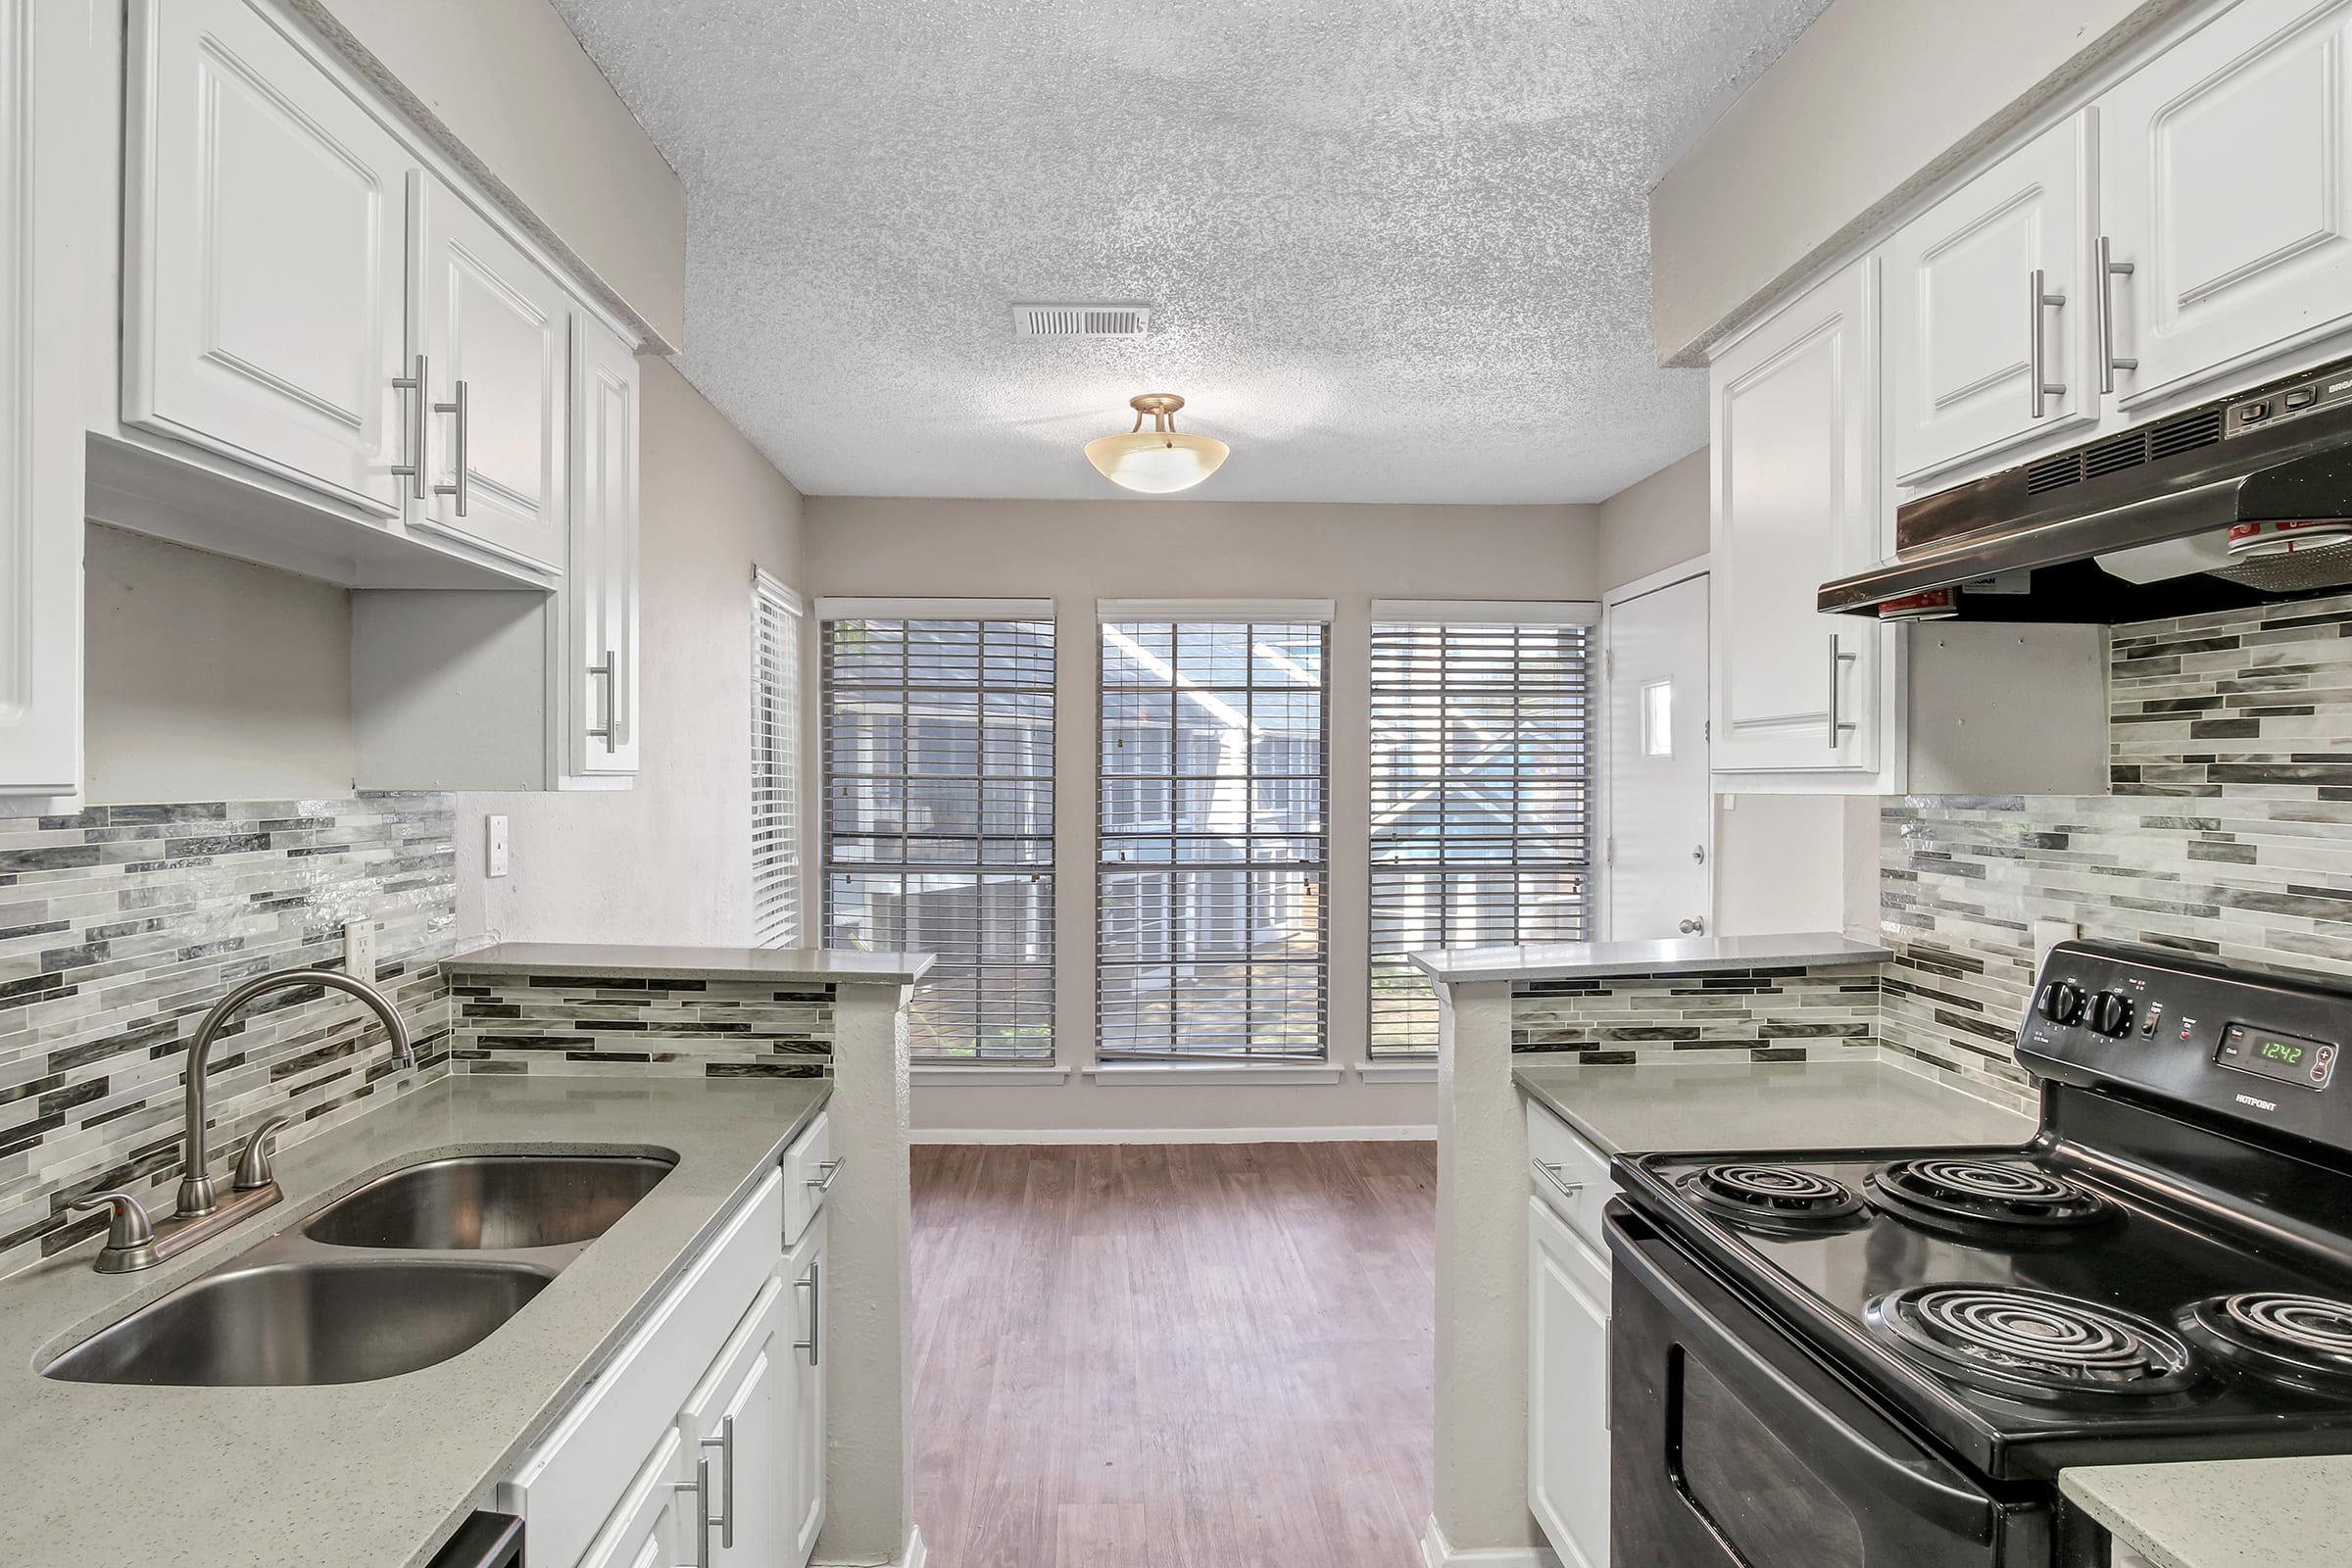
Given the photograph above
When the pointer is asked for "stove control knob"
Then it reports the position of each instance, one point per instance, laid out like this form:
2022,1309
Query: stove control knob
2111,1014
2062,1002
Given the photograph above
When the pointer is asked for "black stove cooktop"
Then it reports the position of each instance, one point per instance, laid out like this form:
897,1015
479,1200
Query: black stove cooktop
2166,1271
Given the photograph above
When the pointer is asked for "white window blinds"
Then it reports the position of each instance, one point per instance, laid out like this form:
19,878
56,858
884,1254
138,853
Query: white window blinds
775,763
1209,918
939,812
1480,793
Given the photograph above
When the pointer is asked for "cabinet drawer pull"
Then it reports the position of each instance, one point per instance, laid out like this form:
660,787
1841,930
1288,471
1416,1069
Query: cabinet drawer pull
457,426
831,1169
1551,1173
699,1485
724,1442
1838,726
2109,270
610,671
412,428
812,1282
2040,300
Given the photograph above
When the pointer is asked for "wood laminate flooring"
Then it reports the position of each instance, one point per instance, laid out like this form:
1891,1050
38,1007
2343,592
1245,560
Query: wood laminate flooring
1201,1355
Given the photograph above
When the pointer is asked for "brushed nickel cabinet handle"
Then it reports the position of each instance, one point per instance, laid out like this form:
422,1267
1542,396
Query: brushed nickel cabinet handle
2039,301
724,1442
831,1169
457,409
1551,1173
1838,656
813,1284
412,428
610,671
699,1485
2109,270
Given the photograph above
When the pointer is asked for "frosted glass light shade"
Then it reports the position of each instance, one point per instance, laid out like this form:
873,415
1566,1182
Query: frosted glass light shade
1155,462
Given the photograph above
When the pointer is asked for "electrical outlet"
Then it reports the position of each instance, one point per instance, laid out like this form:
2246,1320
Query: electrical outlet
494,845
359,949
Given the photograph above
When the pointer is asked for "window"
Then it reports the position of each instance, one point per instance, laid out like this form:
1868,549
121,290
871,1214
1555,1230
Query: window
775,763
1480,774
1209,910
939,812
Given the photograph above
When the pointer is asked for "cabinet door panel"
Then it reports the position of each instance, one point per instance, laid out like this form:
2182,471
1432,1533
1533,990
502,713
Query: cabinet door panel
805,1269
263,255
601,593
44,66
1568,1391
1961,320
1794,474
644,1530
501,327
737,1428
2227,182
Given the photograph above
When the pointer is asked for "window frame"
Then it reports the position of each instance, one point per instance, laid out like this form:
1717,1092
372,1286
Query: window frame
1393,986
1259,875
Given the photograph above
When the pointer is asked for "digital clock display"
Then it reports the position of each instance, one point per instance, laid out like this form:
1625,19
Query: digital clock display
2290,1060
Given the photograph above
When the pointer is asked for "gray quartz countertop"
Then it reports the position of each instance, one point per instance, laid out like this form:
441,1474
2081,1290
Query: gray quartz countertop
1574,960
2229,1513
363,1475
784,966
1643,1109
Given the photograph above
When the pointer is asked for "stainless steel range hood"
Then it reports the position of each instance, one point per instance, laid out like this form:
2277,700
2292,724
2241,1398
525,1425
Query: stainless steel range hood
2260,482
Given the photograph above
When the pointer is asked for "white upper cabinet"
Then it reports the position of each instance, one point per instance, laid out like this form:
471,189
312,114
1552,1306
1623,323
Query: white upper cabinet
601,597
43,79
263,255
1987,302
494,330
1794,472
2225,184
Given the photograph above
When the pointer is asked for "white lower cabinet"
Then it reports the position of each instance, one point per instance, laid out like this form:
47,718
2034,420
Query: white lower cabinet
1567,1389
1567,1341
703,1440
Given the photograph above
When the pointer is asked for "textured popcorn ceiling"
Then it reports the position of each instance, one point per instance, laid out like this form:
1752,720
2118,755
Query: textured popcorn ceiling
1396,250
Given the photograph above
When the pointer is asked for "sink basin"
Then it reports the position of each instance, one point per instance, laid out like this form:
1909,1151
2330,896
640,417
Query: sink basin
491,1202
306,1322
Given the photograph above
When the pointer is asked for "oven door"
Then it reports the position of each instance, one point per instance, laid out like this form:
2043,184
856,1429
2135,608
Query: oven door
1731,1448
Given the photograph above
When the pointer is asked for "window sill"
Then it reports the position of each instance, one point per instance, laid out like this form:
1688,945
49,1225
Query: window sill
1136,1074
1397,1072
926,1076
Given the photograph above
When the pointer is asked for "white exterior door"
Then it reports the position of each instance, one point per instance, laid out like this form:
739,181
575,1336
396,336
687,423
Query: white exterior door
738,1430
805,1270
601,599
263,255
1793,467
496,332
1965,325
1567,1389
2226,179
1661,880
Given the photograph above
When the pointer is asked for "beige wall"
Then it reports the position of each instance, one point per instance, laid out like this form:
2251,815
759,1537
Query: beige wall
210,679
1079,551
669,860
1657,522
1876,101
509,93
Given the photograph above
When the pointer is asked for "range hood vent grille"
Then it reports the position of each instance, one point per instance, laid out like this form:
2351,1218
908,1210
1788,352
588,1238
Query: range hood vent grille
2199,427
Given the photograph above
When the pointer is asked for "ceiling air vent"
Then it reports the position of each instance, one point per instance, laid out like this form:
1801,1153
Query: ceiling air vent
1081,321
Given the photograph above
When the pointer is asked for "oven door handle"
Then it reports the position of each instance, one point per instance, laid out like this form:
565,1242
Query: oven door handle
1826,1441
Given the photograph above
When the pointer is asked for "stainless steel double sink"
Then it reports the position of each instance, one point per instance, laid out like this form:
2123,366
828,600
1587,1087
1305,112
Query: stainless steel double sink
413,1268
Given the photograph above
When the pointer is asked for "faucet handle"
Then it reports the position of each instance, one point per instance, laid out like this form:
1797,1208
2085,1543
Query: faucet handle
253,1165
130,1234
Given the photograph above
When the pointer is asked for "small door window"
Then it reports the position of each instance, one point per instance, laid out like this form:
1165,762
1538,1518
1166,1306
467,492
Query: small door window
1657,719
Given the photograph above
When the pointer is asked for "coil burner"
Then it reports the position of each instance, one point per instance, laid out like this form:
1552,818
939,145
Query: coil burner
2305,1340
2032,1344
1983,1198
1782,1198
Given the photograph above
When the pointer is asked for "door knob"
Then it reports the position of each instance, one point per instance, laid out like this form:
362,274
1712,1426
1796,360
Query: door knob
1693,928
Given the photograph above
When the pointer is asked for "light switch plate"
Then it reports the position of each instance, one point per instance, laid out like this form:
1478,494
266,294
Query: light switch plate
2047,934
359,949
494,845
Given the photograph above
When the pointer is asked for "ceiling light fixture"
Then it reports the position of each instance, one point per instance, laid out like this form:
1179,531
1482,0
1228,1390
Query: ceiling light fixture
1159,460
